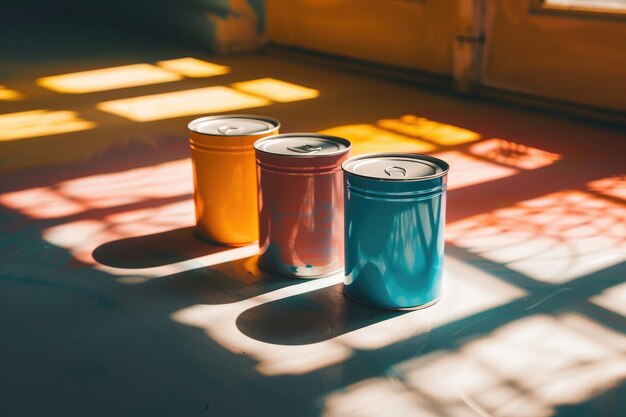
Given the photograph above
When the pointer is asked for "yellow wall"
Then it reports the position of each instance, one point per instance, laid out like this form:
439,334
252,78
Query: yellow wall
574,58
407,33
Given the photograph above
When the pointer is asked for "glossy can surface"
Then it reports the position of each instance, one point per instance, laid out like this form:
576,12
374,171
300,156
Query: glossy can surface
300,204
395,207
225,190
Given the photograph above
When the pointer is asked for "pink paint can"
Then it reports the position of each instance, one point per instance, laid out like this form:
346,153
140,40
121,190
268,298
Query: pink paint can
300,185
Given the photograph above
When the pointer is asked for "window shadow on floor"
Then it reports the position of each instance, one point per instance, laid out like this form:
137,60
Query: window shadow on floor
155,249
309,318
229,282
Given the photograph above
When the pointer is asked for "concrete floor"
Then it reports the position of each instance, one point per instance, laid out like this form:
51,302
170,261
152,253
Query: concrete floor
109,306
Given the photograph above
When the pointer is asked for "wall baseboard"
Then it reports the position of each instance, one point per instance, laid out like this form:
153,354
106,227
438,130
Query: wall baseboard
443,83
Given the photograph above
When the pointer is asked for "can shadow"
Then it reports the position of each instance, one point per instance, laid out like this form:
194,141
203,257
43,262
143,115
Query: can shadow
224,283
154,250
308,318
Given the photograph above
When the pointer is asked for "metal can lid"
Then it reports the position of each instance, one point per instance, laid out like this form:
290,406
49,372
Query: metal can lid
233,125
302,145
396,166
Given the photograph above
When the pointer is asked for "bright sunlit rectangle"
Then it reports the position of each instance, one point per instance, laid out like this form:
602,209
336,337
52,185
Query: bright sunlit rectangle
181,103
366,138
530,366
193,68
33,123
514,154
6,94
109,190
466,170
107,79
613,299
277,90
611,186
82,237
554,238
420,127
469,291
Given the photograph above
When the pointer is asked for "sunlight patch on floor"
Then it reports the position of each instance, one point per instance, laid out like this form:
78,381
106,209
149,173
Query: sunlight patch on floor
613,299
34,123
76,196
528,367
81,237
514,154
367,138
437,132
611,186
193,68
107,79
468,291
554,238
277,90
204,100
7,94
466,170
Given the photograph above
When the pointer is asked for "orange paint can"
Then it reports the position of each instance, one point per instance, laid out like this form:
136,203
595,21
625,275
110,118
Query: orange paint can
224,171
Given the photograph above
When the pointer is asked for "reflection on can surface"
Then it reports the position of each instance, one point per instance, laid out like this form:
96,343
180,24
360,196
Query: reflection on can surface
395,208
300,204
225,176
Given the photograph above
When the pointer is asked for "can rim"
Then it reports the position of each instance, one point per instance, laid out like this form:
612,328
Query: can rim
445,167
270,120
343,141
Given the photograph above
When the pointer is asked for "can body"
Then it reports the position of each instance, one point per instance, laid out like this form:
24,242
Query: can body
224,171
300,204
394,239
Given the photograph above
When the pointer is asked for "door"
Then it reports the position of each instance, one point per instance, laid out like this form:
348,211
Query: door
568,50
571,50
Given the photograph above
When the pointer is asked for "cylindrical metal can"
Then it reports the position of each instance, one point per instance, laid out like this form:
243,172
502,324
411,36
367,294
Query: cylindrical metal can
300,202
395,209
225,190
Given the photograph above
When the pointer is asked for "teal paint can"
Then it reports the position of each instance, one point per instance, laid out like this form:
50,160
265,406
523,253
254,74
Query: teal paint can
394,221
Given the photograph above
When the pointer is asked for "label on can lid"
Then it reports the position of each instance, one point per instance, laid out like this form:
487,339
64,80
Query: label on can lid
302,145
395,167
231,125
